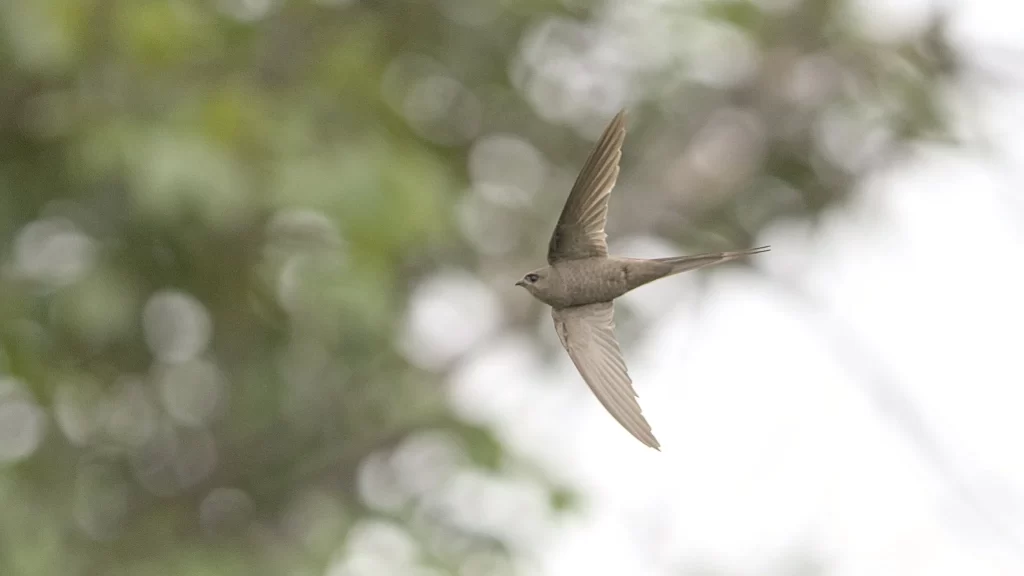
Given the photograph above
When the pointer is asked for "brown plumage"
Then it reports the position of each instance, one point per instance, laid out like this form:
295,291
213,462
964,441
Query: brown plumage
581,281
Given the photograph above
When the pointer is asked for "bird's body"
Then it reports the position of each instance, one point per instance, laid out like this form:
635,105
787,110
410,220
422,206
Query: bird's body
581,281
586,281
603,279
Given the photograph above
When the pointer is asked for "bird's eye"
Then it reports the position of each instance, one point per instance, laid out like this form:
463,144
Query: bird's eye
531,278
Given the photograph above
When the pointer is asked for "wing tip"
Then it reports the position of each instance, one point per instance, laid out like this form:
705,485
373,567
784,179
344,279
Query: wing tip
647,437
619,121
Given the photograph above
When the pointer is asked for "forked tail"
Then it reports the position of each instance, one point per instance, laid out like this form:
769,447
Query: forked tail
685,263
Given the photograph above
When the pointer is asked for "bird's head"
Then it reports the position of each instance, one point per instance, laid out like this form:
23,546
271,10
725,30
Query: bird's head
536,282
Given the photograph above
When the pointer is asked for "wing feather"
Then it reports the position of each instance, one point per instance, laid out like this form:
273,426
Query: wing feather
588,335
580,229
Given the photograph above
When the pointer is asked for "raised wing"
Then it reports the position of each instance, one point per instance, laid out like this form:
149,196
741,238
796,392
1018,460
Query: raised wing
587,333
580,229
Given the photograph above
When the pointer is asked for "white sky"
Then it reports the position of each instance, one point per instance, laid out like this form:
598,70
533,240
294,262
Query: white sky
773,439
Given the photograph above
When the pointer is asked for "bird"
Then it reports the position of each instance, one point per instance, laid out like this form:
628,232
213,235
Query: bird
582,281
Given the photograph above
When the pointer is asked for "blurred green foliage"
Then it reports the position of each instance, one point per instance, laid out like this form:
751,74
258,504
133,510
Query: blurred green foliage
212,216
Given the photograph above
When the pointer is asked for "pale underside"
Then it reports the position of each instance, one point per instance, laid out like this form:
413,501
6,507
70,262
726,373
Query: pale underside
587,333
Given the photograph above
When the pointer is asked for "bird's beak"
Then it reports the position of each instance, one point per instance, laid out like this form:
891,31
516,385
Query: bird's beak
520,283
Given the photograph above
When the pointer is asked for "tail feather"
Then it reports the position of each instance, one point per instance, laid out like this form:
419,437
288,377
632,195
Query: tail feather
686,263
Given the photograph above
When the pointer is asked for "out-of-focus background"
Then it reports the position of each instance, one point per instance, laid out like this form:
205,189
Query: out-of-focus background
257,313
